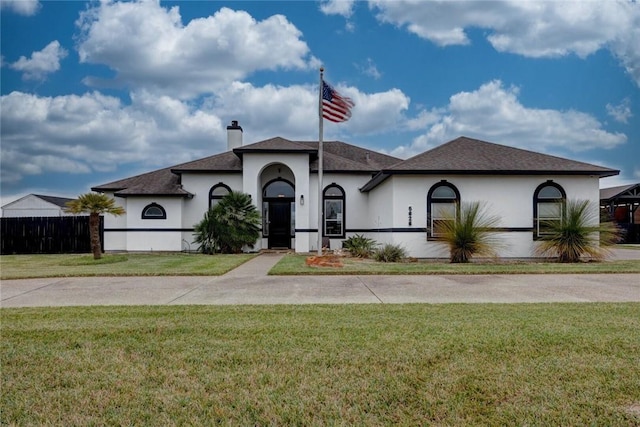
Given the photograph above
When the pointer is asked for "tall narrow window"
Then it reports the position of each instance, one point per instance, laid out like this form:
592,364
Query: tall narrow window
548,206
334,210
154,211
217,192
443,201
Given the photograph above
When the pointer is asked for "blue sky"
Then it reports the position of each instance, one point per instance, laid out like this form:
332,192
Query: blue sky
98,91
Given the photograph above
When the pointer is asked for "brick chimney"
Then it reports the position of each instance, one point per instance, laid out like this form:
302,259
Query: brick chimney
234,135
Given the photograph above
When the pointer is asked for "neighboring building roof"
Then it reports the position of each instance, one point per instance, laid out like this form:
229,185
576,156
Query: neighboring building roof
58,201
630,192
472,156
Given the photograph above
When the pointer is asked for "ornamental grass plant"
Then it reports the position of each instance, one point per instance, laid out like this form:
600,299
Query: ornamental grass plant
578,234
470,233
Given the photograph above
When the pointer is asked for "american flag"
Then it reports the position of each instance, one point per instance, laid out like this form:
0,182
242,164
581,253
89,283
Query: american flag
335,107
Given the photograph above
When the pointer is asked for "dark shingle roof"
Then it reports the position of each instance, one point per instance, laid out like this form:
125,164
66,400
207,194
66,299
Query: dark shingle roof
224,162
467,155
472,156
342,157
460,156
160,183
58,201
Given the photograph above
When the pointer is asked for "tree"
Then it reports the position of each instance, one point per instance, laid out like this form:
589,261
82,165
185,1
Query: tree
94,204
232,223
578,233
470,234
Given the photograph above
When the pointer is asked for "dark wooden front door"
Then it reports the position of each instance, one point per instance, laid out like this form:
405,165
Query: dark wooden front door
280,224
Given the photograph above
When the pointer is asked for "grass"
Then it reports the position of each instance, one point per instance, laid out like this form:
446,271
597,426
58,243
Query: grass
519,364
148,264
295,265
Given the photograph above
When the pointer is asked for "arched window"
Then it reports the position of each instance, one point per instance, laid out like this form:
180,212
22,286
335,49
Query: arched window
333,198
217,192
154,211
278,188
548,205
443,203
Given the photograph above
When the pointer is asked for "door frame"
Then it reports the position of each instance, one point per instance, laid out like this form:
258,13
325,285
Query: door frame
271,241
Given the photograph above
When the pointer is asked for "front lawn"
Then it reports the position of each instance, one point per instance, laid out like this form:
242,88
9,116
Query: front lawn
493,364
295,265
138,264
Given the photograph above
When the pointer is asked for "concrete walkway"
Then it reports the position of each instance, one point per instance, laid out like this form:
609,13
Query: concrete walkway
249,284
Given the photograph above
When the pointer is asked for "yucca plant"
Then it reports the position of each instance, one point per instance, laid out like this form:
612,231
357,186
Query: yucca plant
470,234
230,224
579,233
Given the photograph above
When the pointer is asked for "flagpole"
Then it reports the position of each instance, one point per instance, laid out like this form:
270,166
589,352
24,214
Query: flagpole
320,165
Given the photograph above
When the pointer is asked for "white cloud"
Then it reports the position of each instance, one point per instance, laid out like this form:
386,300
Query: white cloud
529,28
621,112
95,132
42,62
494,113
149,47
337,7
370,69
21,7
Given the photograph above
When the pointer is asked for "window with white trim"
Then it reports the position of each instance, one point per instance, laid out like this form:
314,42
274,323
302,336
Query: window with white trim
548,207
443,201
333,198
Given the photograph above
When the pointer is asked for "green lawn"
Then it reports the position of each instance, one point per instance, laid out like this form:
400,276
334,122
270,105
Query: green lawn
494,364
295,265
148,264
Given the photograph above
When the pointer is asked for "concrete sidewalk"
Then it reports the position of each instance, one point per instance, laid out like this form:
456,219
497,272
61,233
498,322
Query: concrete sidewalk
249,284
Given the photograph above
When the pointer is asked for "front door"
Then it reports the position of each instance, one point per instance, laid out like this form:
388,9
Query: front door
279,224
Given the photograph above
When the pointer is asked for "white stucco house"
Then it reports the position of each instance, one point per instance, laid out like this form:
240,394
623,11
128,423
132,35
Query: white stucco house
363,192
36,205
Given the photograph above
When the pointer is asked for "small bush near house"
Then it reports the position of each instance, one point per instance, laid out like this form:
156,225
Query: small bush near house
390,253
360,246
229,225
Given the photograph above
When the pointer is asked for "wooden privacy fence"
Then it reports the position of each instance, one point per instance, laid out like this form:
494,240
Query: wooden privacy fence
47,235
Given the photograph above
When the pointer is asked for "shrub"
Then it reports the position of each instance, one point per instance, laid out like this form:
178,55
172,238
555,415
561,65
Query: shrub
470,234
578,233
359,246
229,225
390,253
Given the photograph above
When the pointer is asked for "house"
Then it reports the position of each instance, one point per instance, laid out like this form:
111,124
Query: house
36,205
622,203
363,192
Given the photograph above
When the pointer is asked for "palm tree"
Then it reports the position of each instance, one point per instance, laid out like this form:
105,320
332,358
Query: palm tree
94,204
470,234
232,223
578,233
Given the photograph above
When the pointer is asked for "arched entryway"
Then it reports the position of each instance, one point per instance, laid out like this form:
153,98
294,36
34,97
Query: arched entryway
278,207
